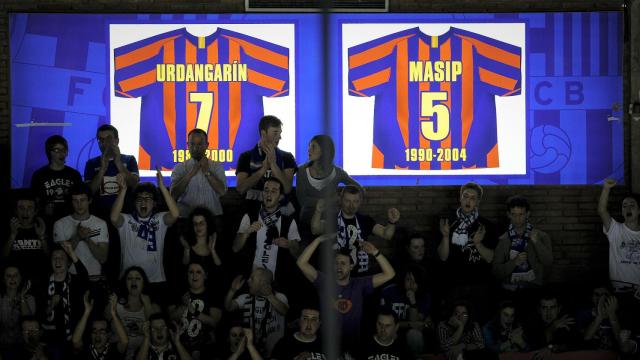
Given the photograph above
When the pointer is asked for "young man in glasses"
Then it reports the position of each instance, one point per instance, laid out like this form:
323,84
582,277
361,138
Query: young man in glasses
52,182
142,233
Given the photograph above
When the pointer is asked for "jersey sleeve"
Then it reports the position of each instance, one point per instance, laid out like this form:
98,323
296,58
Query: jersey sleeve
135,64
267,63
498,64
371,65
89,169
244,163
132,165
289,161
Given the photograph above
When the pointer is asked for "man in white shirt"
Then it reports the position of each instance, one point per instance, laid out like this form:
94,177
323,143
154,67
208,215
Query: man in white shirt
87,233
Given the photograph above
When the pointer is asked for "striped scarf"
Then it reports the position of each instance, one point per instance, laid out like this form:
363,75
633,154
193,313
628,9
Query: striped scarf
65,302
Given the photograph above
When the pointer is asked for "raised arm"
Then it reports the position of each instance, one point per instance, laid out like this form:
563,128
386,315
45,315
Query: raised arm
116,209
121,333
386,231
236,284
603,201
172,215
443,247
130,177
303,260
284,175
76,338
96,180
387,270
317,224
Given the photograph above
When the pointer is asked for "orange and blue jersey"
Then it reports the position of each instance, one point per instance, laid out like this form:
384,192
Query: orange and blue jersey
215,83
436,93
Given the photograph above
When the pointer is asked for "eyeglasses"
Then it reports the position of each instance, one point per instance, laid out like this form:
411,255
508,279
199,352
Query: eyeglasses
143,199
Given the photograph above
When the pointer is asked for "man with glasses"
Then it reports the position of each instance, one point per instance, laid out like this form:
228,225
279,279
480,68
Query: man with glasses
199,181
52,182
99,347
142,233
100,172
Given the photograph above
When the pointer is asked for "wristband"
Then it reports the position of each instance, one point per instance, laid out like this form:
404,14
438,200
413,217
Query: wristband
377,254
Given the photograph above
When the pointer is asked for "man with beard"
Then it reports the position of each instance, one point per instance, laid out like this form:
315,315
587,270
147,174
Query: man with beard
142,233
353,227
198,181
157,345
99,348
348,305
624,253
304,344
272,236
264,161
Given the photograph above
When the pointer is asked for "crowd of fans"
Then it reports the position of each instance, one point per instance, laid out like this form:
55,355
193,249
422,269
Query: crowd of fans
86,274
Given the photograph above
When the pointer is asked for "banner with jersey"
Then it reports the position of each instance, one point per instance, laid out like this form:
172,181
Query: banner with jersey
409,99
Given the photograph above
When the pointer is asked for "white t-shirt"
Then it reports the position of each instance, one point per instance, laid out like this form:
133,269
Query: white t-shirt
624,256
263,311
266,255
66,227
142,244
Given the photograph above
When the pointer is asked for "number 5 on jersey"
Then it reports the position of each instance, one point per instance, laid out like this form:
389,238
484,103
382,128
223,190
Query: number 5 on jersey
429,129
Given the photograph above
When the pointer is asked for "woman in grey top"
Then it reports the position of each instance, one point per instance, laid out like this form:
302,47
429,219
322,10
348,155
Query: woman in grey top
319,177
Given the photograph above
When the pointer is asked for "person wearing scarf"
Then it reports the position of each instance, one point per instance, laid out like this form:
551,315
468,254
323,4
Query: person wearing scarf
522,253
142,233
99,348
63,296
466,251
264,161
353,228
271,239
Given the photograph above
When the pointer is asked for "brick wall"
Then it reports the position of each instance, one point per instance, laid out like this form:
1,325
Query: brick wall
567,213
